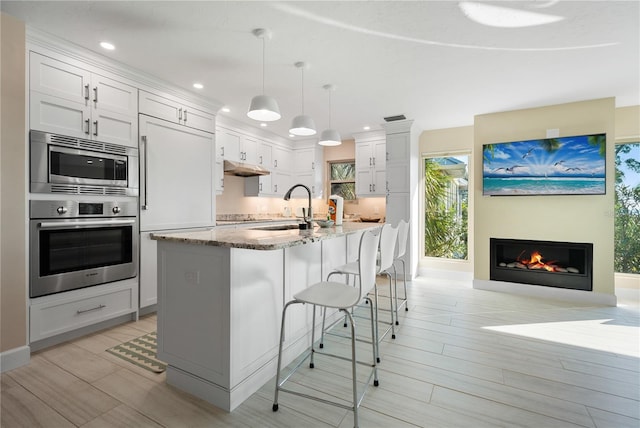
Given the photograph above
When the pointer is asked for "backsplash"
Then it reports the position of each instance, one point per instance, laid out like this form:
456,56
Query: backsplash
233,202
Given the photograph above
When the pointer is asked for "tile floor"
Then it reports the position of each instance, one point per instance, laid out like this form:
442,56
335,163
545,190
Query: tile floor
462,358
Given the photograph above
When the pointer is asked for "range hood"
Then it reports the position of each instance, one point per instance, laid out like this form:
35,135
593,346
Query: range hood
243,169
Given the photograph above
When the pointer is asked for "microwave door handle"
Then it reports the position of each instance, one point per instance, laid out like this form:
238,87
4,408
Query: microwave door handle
145,176
58,224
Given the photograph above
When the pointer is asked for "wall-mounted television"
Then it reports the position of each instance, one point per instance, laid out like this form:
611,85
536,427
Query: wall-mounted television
550,166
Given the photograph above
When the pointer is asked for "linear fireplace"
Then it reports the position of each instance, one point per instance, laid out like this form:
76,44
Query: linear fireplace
547,263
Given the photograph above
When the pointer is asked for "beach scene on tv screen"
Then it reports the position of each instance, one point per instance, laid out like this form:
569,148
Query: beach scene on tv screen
550,166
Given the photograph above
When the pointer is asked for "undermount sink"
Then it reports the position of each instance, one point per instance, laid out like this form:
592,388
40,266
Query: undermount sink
277,227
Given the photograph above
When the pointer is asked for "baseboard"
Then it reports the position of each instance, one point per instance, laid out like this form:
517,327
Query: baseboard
14,358
455,275
564,294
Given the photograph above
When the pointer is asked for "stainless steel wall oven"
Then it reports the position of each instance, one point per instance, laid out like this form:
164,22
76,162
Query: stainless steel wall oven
80,244
61,164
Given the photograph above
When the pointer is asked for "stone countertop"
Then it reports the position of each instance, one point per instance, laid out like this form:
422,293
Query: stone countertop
262,239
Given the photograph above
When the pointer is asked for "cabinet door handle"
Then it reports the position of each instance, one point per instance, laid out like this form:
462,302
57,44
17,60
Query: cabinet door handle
260,159
87,125
180,114
370,163
95,94
374,161
387,158
222,183
275,163
83,311
313,165
86,92
260,187
275,188
145,175
222,151
374,187
369,188
185,115
95,128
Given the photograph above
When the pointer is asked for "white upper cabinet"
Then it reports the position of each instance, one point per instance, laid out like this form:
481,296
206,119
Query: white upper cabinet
235,146
69,100
177,111
308,169
371,155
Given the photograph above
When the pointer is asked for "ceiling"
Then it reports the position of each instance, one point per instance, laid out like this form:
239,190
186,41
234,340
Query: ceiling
424,59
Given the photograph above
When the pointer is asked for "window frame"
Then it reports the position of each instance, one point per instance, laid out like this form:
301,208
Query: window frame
330,181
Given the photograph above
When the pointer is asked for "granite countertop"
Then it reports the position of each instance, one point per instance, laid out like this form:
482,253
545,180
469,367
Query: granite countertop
262,239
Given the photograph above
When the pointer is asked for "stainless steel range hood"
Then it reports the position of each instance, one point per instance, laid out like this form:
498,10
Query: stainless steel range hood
243,169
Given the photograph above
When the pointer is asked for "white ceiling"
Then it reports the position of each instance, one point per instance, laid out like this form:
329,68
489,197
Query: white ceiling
423,59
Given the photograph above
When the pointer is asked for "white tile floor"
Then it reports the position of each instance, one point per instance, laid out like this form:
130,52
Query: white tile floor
462,358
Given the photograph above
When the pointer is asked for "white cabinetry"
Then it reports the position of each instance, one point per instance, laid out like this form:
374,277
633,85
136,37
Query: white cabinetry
370,164
64,312
308,167
235,146
177,188
261,185
176,111
281,179
402,178
70,100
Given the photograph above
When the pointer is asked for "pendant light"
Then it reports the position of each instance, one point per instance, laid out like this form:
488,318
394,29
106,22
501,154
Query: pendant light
329,137
302,125
263,107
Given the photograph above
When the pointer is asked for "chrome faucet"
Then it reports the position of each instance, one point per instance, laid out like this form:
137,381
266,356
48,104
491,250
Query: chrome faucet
305,216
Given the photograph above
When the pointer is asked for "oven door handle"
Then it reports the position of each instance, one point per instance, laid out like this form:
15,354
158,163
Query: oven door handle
58,224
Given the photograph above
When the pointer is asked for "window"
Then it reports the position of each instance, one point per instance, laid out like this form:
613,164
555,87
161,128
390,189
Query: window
342,179
627,209
446,201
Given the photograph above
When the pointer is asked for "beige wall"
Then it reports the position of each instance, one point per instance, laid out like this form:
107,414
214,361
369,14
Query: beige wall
446,141
13,283
553,218
628,124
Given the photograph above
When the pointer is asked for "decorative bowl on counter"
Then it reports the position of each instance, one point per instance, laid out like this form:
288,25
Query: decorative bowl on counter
324,223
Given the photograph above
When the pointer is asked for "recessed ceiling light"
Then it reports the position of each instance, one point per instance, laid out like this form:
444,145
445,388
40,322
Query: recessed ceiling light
264,125
366,128
108,46
504,17
226,109
198,85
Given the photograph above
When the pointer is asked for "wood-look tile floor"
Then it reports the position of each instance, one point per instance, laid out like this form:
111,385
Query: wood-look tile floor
462,358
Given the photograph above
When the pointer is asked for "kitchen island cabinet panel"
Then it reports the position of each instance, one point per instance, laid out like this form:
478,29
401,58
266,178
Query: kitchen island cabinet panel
256,309
194,326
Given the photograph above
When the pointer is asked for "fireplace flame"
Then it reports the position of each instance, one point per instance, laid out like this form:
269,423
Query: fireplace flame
536,261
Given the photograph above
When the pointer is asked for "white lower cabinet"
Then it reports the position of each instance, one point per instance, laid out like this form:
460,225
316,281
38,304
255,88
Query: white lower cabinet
63,312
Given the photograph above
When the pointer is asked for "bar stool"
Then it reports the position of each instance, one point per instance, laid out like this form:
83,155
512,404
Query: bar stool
343,297
388,237
401,249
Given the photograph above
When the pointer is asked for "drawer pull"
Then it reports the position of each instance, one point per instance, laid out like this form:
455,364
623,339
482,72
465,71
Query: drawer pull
82,311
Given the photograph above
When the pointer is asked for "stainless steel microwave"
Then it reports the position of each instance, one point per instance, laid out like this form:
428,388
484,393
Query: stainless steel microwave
61,164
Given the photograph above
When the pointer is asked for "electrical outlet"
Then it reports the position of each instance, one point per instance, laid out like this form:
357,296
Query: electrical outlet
192,277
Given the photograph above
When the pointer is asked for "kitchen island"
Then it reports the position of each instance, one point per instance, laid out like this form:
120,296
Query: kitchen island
220,299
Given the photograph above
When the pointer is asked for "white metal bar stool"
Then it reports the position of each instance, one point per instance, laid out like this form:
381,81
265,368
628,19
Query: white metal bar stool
401,249
388,237
336,295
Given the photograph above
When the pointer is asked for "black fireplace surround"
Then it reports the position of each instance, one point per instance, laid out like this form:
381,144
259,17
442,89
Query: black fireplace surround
546,263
